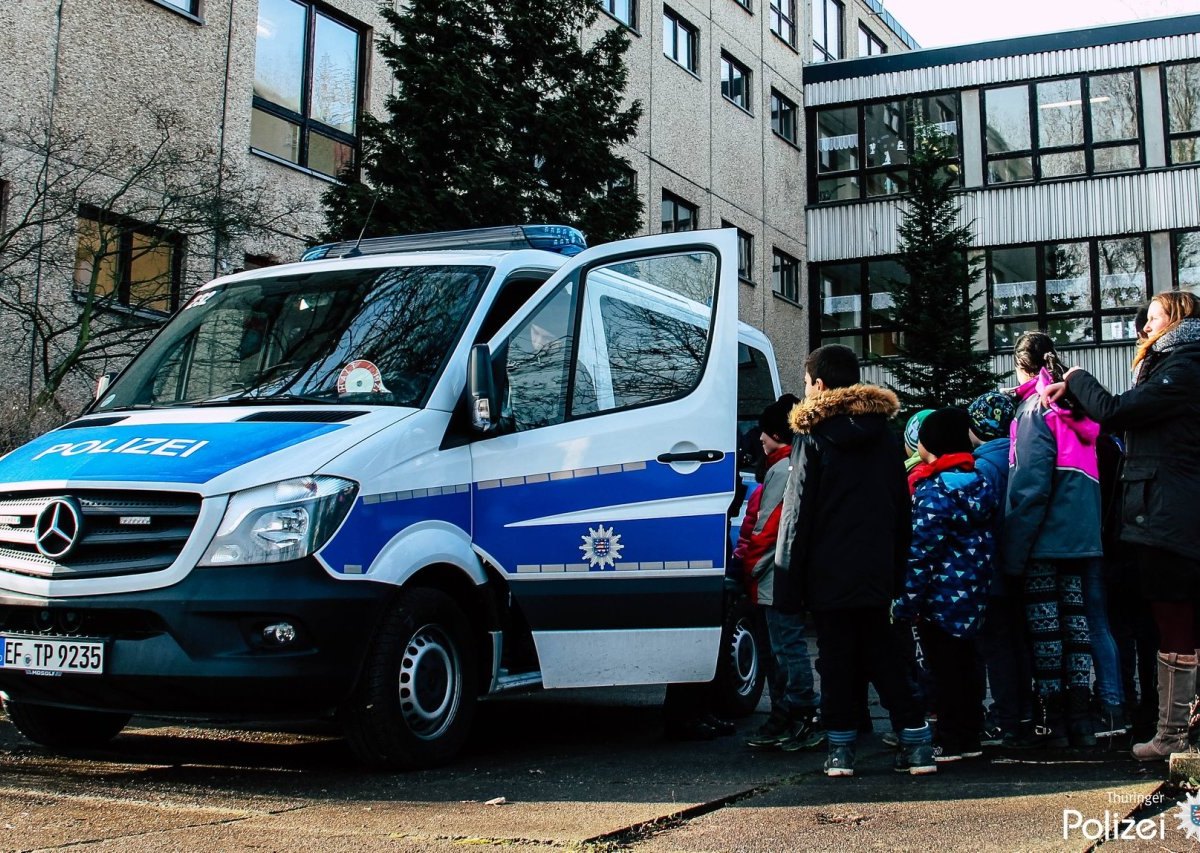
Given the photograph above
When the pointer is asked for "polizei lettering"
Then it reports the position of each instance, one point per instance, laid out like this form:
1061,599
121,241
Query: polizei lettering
180,447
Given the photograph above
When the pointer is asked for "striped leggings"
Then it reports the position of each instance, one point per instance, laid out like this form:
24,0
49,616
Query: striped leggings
1057,624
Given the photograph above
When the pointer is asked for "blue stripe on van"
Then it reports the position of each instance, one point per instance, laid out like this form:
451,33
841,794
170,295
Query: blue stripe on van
168,453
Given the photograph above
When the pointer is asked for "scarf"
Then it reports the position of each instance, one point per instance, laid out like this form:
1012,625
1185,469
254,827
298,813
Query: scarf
948,462
1187,331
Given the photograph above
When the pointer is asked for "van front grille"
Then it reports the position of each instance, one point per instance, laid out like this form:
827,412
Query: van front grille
93,533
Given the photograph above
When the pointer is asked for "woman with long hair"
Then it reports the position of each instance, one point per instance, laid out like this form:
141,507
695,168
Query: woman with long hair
1160,490
1052,539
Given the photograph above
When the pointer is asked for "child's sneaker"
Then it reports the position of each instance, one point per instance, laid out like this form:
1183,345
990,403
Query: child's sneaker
840,760
806,733
991,736
916,759
773,732
944,753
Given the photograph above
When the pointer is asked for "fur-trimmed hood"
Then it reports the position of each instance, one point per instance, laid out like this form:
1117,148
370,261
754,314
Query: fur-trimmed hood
855,401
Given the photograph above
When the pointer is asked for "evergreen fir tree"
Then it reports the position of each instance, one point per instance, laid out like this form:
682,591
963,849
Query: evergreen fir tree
500,115
938,363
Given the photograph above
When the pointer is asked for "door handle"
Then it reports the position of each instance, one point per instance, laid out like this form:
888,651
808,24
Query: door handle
692,456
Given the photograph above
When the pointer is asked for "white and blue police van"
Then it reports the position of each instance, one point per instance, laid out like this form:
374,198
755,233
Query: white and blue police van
382,482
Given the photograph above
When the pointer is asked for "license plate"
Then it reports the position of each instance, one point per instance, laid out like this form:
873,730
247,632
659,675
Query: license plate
51,656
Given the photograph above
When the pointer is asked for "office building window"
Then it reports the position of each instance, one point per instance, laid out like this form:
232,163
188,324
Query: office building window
862,151
1181,85
785,276
735,81
1060,128
856,305
1081,292
624,11
189,6
783,117
125,263
677,214
827,30
745,244
783,20
745,4
307,86
868,44
1185,246
681,41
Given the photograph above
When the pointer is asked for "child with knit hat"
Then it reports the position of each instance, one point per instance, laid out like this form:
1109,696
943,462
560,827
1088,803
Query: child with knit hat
1002,641
794,723
950,565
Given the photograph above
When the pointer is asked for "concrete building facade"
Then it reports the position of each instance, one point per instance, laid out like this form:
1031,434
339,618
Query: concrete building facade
274,90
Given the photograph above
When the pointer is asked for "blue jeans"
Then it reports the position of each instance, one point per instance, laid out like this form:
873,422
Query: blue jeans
1105,656
790,650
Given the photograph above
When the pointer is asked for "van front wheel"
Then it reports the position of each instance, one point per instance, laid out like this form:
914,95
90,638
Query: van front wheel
416,697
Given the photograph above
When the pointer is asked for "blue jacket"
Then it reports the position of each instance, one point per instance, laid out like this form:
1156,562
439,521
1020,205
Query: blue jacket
991,460
952,559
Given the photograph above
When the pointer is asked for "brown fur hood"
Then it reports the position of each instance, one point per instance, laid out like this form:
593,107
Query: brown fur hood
854,400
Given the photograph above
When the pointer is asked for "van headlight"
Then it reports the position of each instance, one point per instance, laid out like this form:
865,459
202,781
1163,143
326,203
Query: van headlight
280,521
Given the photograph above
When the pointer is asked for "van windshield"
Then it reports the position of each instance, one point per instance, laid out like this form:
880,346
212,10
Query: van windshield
376,336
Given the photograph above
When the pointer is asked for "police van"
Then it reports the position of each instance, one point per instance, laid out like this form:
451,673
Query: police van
382,482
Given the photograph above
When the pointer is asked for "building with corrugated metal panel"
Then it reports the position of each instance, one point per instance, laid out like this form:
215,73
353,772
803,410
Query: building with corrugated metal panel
1079,164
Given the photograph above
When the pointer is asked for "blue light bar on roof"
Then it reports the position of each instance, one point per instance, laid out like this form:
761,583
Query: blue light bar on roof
560,239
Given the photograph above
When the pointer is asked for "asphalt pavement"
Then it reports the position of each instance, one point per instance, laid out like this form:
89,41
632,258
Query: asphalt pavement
576,770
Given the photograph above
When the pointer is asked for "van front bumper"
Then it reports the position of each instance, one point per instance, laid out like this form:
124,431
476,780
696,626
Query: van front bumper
198,647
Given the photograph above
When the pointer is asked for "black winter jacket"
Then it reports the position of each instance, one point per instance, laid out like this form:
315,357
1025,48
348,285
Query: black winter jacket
1160,416
846,523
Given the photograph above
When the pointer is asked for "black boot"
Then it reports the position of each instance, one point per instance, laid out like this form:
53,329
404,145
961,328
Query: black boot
1080,729
1051,727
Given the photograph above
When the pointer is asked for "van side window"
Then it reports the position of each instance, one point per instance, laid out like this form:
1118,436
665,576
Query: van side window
756,391
537,360
644,332
514,293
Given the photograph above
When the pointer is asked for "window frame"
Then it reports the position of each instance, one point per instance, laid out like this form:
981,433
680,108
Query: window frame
192,12
744,238
306,124
678,22
127,226
1042,316
780,21
862,172
865,329
821,49
794,111
745,4
609,8
1175,238
728,61
678,202
1088,147
1168,136
778,259
871,39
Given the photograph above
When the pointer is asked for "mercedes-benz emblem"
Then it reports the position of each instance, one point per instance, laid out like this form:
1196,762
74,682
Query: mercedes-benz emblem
58,528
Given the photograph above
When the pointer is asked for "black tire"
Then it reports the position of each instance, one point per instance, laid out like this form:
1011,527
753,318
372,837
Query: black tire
742,666
415,700
64,728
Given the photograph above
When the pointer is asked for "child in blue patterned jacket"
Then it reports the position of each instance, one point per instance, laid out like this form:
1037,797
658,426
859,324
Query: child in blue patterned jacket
950,568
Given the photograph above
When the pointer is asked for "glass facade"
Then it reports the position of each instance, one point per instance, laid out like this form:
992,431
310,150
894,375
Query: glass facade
1080,292
862,151
1062,128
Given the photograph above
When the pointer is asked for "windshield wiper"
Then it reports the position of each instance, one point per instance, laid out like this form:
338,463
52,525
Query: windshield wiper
253,400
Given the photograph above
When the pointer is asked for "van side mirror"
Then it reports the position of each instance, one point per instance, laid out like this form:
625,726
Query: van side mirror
481,389
102,383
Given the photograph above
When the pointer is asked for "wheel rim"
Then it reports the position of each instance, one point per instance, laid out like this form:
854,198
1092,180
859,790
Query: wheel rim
744,655
430,682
